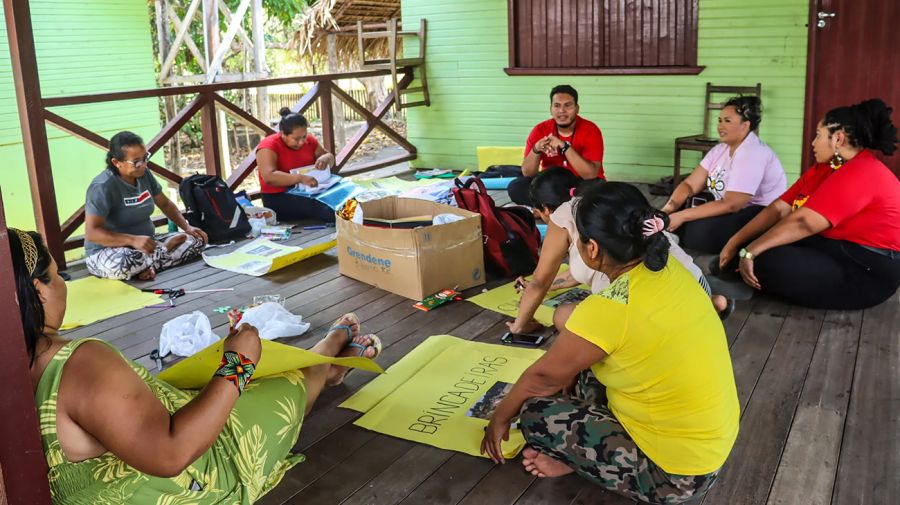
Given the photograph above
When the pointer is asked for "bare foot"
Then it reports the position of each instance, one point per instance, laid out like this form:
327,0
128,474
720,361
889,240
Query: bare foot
175,241
147,275
541,465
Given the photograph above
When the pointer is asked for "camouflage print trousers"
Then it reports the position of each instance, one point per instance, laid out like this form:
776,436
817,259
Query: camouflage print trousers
582,432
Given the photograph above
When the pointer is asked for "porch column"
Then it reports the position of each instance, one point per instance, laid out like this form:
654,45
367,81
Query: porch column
34,132
21,453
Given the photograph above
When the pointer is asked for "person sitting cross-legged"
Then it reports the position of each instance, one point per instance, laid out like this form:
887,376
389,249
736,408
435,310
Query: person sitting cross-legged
120,240
637,392
113,433
565,140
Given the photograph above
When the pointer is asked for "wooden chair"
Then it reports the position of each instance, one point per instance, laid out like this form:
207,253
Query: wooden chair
394,36
705,141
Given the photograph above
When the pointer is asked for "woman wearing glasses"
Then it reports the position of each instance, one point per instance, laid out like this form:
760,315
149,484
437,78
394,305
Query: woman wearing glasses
120,240
737,179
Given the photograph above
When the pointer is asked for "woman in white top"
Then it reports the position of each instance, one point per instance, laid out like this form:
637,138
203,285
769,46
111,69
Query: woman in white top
739,177
553,193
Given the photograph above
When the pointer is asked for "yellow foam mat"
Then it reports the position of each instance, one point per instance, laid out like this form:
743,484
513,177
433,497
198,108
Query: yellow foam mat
495,155
92,299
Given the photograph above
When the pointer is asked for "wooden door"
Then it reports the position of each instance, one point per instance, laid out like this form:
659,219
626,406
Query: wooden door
853,56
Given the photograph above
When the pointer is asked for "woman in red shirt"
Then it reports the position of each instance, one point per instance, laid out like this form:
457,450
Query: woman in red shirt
292,147
831,241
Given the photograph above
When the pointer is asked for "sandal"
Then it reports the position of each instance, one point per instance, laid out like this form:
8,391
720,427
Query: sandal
346,327
374,342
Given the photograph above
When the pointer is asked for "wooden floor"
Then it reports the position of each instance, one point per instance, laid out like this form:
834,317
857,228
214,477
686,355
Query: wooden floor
819,394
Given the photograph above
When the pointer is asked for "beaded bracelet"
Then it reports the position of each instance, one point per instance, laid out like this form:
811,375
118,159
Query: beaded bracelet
236,368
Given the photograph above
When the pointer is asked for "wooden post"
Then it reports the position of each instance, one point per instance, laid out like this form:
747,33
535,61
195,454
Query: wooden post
259,59
31,118
340,134
21,453
173,156
209,122
327,114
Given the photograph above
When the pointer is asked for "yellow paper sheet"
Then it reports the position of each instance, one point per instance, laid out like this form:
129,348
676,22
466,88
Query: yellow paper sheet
505,300
92,299
263,256
196,371
443,393
488,156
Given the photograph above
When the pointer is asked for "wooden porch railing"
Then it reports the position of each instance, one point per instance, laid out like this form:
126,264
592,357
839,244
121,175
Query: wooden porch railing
207,102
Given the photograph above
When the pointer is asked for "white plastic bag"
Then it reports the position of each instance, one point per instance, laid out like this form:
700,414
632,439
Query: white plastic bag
274,321
446,219
186,335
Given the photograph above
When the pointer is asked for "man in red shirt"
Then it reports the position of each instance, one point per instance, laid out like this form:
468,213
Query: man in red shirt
566,140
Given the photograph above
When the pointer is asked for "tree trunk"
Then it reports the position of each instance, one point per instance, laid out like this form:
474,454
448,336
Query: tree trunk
376,91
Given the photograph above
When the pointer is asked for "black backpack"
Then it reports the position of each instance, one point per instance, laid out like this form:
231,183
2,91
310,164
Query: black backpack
211,206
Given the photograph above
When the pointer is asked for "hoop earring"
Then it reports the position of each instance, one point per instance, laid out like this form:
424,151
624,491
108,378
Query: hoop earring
837,161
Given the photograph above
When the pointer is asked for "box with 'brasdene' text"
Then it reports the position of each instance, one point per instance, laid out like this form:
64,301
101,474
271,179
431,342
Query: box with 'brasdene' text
399,251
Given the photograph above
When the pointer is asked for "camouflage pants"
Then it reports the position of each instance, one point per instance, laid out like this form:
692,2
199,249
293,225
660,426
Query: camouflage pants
583,433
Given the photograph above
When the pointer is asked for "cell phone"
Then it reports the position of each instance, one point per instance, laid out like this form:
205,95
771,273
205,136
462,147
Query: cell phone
522,339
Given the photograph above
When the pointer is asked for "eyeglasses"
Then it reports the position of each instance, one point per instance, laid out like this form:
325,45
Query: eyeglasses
138,163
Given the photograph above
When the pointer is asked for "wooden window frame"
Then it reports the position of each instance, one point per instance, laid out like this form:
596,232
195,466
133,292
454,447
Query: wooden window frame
514,70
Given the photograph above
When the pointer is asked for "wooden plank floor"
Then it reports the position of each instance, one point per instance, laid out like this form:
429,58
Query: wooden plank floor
819,394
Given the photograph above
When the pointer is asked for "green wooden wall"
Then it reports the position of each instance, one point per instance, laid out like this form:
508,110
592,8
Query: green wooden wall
83,46
474,103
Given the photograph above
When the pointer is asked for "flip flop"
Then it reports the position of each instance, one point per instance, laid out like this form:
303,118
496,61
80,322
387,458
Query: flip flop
346,327
375,343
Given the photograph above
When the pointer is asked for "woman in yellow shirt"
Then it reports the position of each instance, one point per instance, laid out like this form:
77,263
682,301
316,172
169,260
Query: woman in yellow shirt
637,393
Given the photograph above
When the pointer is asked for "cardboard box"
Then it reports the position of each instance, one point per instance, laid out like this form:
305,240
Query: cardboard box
417,262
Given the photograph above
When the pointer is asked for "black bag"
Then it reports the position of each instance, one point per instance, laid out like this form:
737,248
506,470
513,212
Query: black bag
495,171
211,206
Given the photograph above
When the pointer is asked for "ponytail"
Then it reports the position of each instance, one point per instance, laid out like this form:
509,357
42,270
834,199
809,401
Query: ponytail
619,218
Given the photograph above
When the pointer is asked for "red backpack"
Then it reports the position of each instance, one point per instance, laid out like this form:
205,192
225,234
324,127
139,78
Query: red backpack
511,238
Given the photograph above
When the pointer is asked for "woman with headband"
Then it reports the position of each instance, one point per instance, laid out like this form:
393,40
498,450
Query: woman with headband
113,433
637,393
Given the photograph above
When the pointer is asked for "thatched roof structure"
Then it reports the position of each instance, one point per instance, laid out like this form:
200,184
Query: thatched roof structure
329,15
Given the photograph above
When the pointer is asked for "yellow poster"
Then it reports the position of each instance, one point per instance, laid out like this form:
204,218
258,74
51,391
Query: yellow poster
92,299
443,393
196,371
262,256
505,300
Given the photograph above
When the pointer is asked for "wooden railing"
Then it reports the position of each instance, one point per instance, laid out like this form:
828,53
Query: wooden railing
208,101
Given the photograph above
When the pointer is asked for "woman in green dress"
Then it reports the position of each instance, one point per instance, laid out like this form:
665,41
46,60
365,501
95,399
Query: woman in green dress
113,434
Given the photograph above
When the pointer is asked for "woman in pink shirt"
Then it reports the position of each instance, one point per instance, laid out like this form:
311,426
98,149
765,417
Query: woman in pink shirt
733,182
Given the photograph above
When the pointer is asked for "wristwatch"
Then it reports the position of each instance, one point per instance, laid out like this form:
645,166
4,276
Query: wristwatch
745,254
565,147
535,151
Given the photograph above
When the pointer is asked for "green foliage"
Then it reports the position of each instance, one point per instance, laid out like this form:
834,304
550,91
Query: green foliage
284,11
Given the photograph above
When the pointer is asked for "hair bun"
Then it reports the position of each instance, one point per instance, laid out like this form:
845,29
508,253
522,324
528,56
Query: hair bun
875,129
285,111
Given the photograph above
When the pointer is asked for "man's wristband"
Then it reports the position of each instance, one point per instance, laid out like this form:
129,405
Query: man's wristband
236,368
565,147
535,151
